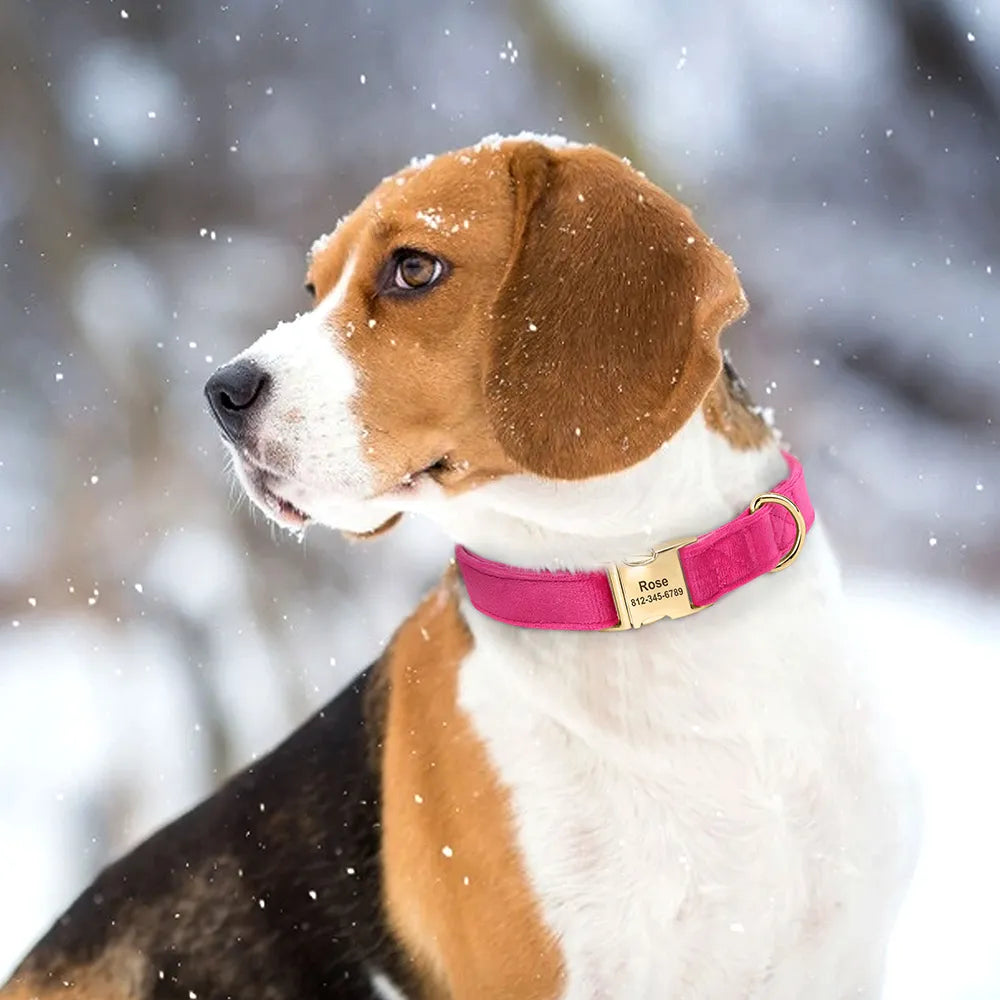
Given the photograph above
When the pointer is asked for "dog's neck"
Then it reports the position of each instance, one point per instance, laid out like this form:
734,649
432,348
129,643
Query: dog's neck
696,481
630,696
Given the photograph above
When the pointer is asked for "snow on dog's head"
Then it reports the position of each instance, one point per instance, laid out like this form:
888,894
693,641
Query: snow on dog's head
516,307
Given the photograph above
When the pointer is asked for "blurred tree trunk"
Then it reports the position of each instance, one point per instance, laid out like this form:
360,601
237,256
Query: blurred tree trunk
940,57
587,85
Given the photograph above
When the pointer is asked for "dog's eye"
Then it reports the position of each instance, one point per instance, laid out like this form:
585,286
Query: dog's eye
310,289
416,270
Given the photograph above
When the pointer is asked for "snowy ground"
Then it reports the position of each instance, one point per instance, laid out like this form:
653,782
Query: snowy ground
940,659
63,727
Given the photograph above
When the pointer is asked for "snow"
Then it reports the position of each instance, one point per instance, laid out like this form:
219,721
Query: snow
937,657
323,241
431,218
509,53
495,140
114,88
419,162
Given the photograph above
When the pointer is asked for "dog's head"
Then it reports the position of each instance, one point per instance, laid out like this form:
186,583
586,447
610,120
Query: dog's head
517,307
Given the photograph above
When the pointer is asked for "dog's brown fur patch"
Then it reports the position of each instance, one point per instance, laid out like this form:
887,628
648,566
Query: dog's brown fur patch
456,889
115,974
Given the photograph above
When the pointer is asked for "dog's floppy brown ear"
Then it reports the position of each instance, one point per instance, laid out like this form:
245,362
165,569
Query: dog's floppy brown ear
608,319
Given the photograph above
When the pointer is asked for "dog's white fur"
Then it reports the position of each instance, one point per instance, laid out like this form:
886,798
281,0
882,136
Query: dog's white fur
705,808
665,785
310,447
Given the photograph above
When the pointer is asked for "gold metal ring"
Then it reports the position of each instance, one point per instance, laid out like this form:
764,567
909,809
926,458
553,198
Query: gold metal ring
800,525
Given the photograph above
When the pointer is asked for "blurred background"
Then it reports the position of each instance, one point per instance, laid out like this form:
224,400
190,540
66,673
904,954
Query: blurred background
163,168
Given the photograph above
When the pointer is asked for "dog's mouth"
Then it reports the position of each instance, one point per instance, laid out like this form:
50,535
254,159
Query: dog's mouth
267,489
283,510
411,482
271,489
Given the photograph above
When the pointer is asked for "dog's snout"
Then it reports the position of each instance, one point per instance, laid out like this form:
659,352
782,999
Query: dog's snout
234,392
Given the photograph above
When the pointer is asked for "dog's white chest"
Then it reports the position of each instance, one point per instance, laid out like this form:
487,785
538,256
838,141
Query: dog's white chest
700,814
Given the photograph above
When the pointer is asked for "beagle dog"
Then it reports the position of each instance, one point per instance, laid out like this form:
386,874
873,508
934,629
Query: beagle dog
614,753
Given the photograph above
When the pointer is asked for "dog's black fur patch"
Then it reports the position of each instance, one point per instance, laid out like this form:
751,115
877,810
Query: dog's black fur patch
220,903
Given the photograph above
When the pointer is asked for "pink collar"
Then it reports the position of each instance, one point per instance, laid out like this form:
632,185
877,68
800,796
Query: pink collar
673,580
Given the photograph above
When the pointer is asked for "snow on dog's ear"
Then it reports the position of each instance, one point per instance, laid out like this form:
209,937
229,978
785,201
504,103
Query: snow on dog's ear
607,321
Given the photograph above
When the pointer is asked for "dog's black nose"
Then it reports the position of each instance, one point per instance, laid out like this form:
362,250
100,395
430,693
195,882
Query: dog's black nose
233,392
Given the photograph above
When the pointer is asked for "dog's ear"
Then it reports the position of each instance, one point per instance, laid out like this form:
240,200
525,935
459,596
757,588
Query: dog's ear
607,321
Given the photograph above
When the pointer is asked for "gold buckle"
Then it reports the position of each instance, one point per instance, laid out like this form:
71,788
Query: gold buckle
651,587
800,525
